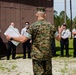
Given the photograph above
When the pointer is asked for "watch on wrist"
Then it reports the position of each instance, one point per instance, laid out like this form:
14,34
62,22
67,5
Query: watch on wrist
11,38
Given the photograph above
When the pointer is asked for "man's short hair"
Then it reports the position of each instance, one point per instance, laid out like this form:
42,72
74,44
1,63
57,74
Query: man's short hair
41,9
64,24
26,23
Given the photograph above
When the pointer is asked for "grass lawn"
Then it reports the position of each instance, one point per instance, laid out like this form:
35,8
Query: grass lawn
70,48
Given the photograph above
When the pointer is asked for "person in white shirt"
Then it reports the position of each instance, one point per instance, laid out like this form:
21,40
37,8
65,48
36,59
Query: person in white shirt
74,41
64,40
26,45
11,46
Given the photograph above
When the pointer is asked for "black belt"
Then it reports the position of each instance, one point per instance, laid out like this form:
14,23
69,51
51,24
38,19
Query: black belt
74,38
64,39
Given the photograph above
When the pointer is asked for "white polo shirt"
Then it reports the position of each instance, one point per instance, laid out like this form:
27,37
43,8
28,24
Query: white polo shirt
74,30
66,33
25,33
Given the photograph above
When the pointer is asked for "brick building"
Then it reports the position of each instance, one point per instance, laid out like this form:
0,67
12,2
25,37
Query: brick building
19,11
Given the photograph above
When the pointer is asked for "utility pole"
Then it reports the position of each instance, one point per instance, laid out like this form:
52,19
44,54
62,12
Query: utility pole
64,11
71,17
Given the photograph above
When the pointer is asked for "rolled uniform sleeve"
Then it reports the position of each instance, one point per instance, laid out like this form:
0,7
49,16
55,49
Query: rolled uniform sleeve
73,30
53,32
56,34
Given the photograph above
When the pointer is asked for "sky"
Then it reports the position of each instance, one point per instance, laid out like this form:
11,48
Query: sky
59,6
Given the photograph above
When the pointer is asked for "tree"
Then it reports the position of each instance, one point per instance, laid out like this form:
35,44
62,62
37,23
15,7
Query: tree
59,19
74,20
55,13
56,19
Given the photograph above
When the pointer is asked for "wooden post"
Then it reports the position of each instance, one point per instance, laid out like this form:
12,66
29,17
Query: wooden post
71,18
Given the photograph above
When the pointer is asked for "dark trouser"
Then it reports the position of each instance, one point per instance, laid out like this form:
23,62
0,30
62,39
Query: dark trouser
74,45
3,48
27,46
13,47
53,47
42,67
64,43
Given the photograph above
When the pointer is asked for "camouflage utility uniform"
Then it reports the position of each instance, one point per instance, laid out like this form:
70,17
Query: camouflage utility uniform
42,33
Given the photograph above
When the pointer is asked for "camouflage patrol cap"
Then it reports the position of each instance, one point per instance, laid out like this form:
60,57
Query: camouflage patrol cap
41,9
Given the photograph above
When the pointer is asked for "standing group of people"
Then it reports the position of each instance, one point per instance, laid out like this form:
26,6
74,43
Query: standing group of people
26,45
64,42
42,33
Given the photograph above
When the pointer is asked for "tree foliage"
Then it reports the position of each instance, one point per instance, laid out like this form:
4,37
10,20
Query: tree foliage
59,19
74,20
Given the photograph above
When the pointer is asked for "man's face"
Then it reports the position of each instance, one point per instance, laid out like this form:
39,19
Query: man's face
64,27
12,24
27,25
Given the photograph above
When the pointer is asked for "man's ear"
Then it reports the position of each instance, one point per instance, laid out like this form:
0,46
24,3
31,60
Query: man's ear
36,14
45,15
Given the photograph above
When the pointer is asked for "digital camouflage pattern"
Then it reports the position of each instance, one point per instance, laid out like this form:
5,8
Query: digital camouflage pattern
42,34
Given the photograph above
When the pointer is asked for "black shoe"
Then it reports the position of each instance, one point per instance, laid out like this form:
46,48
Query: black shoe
61,56
29,56
67,56
14,58
74,56
7,58
54,55
24,57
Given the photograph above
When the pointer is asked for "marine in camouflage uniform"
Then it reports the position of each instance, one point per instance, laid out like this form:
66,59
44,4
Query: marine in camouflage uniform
42,34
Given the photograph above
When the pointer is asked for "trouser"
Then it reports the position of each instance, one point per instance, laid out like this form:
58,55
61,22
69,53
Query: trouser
64,43
74,45
27,46
53,47
12,47
42,67
3,48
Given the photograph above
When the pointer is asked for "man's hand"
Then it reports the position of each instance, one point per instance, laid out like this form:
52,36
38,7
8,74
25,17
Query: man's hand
8,37
60,29
30,41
